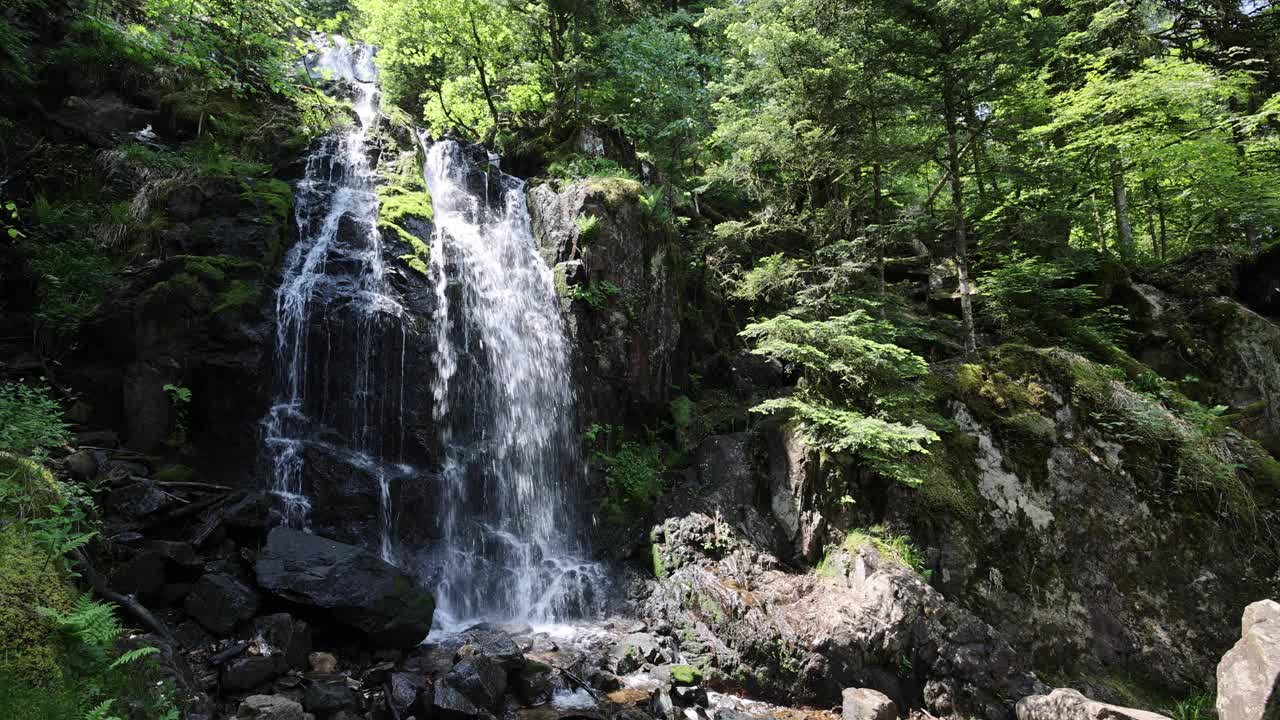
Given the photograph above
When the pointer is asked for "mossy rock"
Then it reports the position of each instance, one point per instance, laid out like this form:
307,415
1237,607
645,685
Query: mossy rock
685,675
29,579
205,284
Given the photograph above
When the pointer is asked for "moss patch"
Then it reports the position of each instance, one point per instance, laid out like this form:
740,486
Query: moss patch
29,643
685,675
402,196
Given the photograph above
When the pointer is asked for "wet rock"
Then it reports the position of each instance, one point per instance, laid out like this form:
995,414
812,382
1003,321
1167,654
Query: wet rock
1068,704
357,588
403,691
1249,674
269,707
322,662
481,680
327,694
451,702
249,518
867,704
178,556
533,683
247,673
633,651
286,637
219,602
139,499
493,644
689,696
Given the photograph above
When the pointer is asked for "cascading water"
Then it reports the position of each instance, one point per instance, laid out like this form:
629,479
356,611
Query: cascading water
504,405
340,333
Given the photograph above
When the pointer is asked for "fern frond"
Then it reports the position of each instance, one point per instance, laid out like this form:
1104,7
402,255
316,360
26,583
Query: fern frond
132,656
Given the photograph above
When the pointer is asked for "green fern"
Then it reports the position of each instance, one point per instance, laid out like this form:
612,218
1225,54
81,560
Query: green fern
133,656
91,622
101,711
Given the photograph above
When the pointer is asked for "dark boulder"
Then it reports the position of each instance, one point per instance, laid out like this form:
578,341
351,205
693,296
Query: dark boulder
220,602
286,637
357,588
142,575
326,694
482,680
247,673
403,693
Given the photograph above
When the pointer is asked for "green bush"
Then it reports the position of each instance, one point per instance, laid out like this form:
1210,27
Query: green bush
859,393
1033,300
633,479
30,420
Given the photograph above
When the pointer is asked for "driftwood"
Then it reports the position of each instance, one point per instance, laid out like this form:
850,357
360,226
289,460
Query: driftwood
578,681
127,603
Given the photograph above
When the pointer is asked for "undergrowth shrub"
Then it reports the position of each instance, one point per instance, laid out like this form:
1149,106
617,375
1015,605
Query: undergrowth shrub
859,393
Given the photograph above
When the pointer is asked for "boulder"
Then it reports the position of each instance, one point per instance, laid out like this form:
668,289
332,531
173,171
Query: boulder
247,673
403,690
448,701
81,464
493,644
481,680
1068,704
322,662
867,704
269,707
327,694
220,602
142,575
1249,674
286,637
357,588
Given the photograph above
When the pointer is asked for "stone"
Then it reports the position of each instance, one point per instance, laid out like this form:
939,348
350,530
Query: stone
449,701
142,575
403,691
269,707
82,464
1068,704
247,673
322,662
286,637
220,602
688,696
325,694
867,704
1249,673
492,644
355,587
139,499
177,555
482,680
533,683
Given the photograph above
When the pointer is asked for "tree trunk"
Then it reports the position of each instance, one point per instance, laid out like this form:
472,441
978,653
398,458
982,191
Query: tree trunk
957,209
1119,198
484,80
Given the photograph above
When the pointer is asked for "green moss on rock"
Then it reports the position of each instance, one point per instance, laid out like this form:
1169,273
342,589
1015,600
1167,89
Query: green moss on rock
29,643
685,675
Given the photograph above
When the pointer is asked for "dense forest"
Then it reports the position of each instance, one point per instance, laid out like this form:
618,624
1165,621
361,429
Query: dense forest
952,250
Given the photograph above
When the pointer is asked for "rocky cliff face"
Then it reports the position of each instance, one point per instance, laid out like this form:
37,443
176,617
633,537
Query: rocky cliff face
617,269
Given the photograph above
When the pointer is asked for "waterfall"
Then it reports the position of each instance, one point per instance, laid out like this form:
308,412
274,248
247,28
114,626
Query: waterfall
504,539
338,377
504,405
